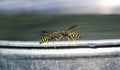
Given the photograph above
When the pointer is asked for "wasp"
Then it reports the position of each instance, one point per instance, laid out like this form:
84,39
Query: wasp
48,37
68,34
57,36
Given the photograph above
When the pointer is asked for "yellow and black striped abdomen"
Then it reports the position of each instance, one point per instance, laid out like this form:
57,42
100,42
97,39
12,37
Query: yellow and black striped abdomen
44,39
75,35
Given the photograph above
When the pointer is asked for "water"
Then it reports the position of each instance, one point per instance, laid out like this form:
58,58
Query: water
29,26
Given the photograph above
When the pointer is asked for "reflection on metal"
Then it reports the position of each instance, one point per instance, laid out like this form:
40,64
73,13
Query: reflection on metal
79,43
23,54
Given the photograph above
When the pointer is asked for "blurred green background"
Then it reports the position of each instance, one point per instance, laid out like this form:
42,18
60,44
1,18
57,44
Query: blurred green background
29,26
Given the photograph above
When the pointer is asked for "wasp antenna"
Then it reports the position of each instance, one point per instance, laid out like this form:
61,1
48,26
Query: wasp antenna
43,31
41,34
74,25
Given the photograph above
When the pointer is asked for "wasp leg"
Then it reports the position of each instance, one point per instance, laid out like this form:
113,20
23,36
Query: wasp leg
69,38
46,43
61,37
54,45
58,40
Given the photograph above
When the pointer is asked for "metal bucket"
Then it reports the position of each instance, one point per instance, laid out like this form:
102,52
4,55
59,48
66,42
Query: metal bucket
104,55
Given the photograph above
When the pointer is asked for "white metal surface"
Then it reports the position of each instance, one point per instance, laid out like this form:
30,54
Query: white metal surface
14,58
63,52
90,43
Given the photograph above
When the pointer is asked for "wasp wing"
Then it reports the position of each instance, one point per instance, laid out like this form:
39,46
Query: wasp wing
45,33
70,28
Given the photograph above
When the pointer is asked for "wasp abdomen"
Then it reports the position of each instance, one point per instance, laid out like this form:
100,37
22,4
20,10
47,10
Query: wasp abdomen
75,35
44,39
